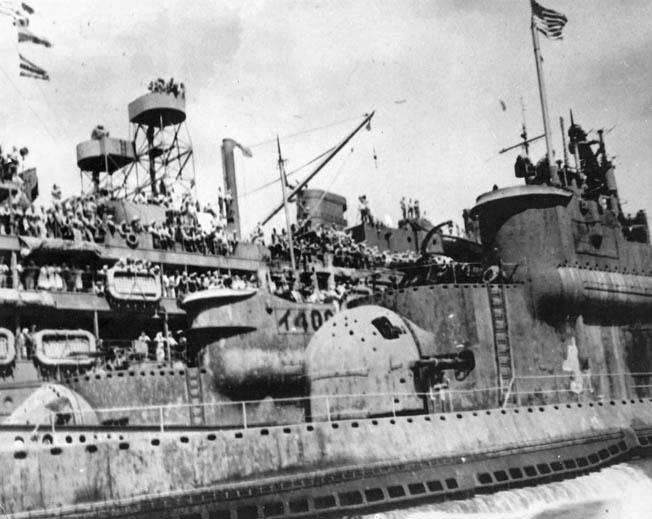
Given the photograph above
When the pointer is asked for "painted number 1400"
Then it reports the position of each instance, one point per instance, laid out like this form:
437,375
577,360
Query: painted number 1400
302,321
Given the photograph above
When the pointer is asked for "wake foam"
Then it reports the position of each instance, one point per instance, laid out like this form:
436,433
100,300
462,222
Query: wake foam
622,491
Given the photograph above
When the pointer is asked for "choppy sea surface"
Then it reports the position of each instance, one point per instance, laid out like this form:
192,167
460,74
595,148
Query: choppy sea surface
622,491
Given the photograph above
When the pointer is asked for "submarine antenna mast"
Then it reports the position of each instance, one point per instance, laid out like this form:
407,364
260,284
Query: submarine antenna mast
563,141
542,87
281,169
526,143
578,164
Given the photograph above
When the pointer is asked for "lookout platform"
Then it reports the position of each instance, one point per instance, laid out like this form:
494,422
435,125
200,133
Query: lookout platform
107,154
158,110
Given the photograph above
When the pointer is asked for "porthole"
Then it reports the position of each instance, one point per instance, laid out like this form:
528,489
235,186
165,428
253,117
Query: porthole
435,486
581,462
570,464
374,494
416,488
299,506
485,478
324,502
543,468
247,512
350,498
501,476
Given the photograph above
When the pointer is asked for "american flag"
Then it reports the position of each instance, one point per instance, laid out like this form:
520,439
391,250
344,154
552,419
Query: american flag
547,21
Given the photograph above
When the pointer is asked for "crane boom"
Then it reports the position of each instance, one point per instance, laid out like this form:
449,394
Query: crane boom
319,167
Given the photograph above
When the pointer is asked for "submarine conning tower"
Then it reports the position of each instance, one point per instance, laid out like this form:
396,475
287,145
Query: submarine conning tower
564,233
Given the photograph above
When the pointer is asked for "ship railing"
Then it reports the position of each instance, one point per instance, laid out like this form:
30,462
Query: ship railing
460,272
135,351
529,390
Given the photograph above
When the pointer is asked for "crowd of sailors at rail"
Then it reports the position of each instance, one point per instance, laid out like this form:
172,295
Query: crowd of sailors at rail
314,244
80,219
85,219
72,277
170,87
11,163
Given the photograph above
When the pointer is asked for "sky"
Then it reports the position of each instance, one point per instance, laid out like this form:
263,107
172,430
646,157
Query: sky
435,71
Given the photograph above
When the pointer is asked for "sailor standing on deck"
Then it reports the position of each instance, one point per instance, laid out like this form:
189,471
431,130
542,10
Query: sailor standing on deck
160,347
363,208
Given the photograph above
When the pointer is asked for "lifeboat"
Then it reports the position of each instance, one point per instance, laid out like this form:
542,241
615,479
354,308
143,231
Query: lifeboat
130,288
7,352
64,349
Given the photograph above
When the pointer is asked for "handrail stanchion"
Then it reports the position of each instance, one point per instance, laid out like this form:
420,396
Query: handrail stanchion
244,414
328,409
508,394
52,424
160,417
393,406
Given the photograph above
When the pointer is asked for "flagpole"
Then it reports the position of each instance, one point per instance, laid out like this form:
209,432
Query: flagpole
542,95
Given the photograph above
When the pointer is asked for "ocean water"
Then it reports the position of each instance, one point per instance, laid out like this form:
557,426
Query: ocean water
622,491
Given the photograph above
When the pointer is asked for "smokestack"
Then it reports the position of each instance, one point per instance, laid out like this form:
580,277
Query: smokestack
231,186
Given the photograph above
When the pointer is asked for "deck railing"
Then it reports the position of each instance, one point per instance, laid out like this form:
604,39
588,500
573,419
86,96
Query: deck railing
524,391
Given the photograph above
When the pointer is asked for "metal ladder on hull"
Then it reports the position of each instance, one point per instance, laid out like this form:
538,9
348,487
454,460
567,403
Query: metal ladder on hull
193,383
502,347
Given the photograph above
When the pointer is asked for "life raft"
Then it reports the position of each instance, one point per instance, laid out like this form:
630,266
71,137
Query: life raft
7,352
125,287
64,349
132,240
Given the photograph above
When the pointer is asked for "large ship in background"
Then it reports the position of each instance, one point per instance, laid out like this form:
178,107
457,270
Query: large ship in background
334,372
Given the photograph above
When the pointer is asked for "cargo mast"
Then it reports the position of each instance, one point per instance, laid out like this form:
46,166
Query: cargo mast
281,169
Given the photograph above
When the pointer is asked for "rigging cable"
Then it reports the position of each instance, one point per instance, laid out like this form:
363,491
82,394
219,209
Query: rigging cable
310,130
296,170
28,104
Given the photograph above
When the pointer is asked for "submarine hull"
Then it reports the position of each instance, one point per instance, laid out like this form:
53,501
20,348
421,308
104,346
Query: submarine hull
312,470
